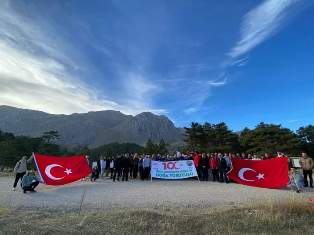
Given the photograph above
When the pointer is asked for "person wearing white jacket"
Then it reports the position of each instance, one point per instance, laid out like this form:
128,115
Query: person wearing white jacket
102,167
20,169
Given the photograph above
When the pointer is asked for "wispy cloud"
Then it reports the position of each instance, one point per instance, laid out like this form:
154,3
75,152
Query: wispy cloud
217,83
191,110
259,24
293,121
137,88
36,71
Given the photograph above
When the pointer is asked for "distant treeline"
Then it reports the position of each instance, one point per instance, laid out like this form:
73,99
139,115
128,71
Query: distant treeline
12,148
264,138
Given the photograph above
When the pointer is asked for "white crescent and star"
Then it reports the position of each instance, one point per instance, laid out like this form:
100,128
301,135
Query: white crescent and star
51,166
243,170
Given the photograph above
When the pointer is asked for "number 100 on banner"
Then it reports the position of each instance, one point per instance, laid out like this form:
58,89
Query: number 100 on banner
173,169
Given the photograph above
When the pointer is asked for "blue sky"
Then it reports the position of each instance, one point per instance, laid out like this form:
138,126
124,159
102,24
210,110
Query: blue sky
241,62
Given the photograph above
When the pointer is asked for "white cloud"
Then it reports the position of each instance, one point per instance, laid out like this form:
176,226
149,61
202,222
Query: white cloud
215,83
191,110
293,121
259,24
35,72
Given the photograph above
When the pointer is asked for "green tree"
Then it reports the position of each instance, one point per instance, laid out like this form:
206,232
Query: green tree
195,137
84,150
225,139
113,149
306,137
50,136
211,137
150,147
269,138
162,147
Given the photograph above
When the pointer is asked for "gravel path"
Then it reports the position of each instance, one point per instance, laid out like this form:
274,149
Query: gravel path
105,194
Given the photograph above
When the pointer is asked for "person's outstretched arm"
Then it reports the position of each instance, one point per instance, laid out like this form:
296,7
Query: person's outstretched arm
31,158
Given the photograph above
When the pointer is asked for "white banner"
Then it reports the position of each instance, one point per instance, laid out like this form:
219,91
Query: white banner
173,169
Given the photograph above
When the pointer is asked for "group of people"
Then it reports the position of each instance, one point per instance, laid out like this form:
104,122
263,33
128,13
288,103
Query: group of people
122,166
29,181
213,166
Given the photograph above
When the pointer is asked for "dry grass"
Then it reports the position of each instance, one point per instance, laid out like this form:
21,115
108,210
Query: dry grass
289,217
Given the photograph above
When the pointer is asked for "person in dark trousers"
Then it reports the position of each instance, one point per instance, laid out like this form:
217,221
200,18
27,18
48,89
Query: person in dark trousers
307,165
117,169
228,168
107,169
95,174
204,164
125,166
131,166
140,168
213,164
98,167
146,166
29,182
223,167
111,166
135,165
20,170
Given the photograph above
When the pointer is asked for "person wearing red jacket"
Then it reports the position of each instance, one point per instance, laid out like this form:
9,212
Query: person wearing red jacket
213,165
196,160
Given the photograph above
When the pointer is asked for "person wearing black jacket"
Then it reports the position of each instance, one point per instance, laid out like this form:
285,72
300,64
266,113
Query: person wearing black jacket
117,169
131,166
125,167
135,165
204,165
140,168
223,168
107,169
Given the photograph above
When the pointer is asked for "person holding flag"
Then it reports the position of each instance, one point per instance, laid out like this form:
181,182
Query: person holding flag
20,169
29,182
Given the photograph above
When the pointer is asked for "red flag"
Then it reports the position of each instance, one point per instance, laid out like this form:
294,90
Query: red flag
272,173
61,170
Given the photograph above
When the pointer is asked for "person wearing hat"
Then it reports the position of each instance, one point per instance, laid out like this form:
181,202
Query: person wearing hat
20,169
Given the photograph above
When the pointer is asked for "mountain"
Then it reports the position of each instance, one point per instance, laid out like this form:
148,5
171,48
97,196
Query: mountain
92,128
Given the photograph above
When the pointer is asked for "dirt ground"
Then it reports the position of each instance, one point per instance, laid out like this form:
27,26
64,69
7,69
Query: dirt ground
108,195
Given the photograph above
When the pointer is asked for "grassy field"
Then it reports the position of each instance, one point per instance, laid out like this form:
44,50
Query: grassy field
286,218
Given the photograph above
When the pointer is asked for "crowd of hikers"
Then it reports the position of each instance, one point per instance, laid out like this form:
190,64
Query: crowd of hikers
213,167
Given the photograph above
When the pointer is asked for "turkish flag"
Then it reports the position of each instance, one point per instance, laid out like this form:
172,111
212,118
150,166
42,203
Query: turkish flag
271,173
61,170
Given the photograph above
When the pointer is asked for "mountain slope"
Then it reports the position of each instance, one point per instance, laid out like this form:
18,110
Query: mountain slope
92,128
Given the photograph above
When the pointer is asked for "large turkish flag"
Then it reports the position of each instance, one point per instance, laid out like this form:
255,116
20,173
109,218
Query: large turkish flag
61,170
271,173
